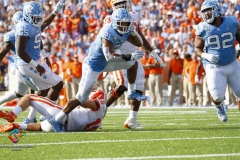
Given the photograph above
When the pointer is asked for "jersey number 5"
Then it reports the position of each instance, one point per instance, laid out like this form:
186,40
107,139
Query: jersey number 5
37,41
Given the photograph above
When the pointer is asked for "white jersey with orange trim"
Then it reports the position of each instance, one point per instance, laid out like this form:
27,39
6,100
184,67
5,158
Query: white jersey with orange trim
84,119
80,119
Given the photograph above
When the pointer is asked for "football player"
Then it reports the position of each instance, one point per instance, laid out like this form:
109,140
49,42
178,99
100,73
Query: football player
88,117
27,44
102,57
121,75
23,81
214,43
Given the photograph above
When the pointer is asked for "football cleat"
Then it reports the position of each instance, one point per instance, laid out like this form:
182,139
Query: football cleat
9,127
27,121
9,116
137,96
132,124
222,116
57,125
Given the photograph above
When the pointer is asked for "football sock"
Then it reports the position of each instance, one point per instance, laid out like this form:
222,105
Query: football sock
60,116
131,87
133,114
32,113
17,110
8,97
23,126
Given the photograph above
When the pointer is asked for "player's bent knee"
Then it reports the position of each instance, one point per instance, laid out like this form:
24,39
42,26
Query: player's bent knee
19,95
118,91
59,85
218,99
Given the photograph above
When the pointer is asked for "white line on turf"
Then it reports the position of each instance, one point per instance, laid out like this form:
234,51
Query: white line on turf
169,156
137,140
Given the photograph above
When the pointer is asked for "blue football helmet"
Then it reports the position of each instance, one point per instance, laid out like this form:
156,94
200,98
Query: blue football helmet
216,10
16,17
33,13
121,20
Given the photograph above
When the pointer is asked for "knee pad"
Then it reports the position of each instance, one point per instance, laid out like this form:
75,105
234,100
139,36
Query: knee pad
118,91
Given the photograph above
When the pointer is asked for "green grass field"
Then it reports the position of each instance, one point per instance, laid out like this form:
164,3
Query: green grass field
169,133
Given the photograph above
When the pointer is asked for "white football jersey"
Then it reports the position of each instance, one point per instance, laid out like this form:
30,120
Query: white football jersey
84,119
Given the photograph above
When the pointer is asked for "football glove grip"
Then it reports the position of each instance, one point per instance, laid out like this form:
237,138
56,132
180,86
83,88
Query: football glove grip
133,56
58,7
210,57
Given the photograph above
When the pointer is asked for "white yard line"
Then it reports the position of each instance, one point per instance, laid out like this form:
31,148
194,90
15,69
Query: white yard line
137,140
168,156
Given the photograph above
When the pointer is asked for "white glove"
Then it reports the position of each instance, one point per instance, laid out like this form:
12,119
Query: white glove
210,57
157,58
58,7
197,79
136,55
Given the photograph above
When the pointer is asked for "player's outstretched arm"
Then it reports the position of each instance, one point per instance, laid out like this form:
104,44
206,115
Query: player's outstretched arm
147,47
5,49
48,20
34,127
135,38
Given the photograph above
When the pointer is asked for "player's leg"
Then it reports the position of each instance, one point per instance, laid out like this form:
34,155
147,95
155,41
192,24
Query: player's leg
173,83
233,81
86,85
217,83
23,84
119,90
22,105
45,81
43,105
132,67
151,84
131,121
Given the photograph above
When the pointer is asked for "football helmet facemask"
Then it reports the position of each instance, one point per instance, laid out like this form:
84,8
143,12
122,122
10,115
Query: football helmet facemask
115,4
216,10
33,13
121,20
